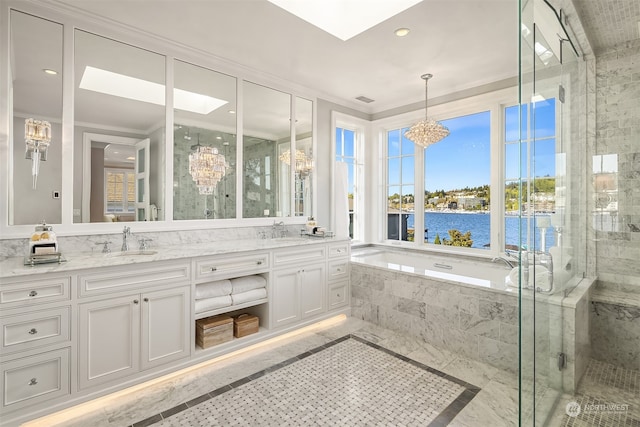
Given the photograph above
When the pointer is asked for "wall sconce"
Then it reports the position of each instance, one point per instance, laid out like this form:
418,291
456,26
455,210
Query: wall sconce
303,163
37,136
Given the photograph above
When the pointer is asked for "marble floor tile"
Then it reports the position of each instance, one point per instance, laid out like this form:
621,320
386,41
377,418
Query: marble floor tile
494,405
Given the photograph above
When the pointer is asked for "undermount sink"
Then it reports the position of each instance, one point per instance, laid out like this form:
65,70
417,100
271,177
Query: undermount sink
132,253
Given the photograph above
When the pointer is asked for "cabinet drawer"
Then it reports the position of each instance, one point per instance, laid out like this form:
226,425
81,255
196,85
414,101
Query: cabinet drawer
35,329
339,250
28,381
299,255
338,295
338,269
134,277
213,268
34,291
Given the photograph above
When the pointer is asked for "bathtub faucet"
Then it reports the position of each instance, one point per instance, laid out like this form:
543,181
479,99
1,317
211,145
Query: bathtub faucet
506,261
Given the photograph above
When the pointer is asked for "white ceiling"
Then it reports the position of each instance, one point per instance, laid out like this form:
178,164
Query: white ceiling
463,43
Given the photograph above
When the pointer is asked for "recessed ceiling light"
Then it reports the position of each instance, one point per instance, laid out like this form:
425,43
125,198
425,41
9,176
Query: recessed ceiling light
131,158
49,71
218,137
232,111
401,32
107,82
344,18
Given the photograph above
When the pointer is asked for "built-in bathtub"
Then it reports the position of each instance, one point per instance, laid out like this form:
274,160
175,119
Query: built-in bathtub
458,270
466,305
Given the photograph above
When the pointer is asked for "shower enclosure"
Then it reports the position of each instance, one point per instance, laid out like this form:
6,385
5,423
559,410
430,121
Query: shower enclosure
552,187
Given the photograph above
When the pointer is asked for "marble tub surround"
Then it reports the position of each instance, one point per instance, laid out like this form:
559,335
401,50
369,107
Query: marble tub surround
90,244
615,326
76,260
496,404
478,323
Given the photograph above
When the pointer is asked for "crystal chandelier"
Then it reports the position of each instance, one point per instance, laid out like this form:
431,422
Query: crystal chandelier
303,165
207,167
37,136
427,131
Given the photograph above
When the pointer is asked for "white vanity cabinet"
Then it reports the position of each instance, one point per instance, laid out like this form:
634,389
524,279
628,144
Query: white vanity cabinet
339,291
78,332
299,289
35,340
131,331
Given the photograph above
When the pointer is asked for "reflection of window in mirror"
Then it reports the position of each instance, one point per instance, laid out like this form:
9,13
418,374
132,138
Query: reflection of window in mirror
119,193
267,127
204,151
36,86
107,110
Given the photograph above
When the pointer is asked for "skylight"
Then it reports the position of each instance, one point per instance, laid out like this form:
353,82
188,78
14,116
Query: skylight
344,18
110,83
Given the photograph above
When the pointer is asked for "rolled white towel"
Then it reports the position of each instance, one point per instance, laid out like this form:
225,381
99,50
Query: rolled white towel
212,303
252,295
247,283
213,289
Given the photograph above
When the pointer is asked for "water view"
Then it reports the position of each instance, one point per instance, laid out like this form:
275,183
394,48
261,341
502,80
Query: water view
439,223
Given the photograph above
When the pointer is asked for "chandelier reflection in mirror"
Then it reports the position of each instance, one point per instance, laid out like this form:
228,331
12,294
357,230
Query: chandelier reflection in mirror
37,136
427,131
207,167
303,165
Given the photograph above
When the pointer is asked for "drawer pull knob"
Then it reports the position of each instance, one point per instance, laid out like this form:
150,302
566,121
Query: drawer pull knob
214,268
135,301
33,381
146,300
339,250
33,331
33,293
259,262
339,269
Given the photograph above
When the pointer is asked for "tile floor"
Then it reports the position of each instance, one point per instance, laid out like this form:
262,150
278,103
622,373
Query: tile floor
494,405
608,396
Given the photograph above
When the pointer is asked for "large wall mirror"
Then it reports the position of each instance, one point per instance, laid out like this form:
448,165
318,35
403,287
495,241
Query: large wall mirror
204,143
266,137
36,92
119,131
119,141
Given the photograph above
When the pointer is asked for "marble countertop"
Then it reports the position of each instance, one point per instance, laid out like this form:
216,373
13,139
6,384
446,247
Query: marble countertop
12,267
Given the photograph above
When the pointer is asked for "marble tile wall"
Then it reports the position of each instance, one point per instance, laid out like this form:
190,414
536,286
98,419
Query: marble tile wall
617,133
477,324
92,243
615,334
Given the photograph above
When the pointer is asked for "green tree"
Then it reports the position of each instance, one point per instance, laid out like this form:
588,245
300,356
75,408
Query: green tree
458,239
437,241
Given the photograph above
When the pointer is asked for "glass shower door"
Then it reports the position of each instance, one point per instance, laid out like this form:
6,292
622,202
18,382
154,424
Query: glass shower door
547,159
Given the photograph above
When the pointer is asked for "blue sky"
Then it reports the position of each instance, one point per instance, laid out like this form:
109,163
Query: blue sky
462,159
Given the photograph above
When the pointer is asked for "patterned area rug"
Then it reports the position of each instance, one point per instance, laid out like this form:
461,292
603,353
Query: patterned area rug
349,382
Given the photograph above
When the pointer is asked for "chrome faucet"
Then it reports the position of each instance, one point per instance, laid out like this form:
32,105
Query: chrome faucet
503,259
126,232
278,226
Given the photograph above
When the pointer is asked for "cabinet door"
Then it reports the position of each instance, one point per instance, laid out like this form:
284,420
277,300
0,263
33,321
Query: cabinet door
109,340
313,284
165,326
284,303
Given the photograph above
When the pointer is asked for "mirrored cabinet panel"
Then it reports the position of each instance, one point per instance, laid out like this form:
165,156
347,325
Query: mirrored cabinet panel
204,143
36,110
266,137
305,165
119,131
